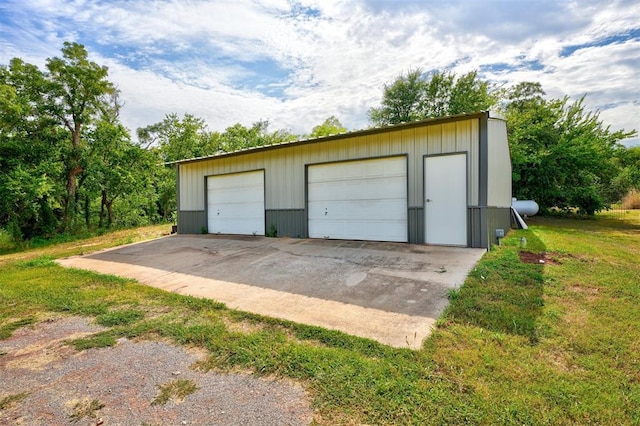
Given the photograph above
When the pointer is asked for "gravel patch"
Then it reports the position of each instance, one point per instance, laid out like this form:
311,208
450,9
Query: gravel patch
117,385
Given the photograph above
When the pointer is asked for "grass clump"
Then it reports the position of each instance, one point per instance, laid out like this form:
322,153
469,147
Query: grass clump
99,340
121,317
85,408
176,390
6,330
9,400
38,262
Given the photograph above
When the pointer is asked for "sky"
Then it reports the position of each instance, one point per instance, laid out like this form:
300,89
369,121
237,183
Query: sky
297,62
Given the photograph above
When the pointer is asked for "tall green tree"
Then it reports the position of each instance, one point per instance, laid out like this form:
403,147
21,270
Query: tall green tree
119,169
563,156
330,126
418,96
30,145
77,90
176,138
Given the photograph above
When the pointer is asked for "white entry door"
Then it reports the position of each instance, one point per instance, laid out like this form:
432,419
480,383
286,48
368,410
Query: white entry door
445,207
235,203
359,200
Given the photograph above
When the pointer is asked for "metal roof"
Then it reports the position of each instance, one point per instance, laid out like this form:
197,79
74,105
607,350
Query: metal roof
343,135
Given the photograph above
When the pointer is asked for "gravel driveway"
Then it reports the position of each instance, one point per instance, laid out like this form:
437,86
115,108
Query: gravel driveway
52,383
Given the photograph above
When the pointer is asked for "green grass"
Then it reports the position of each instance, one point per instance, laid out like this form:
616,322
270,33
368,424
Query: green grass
98,340
552,343
176,390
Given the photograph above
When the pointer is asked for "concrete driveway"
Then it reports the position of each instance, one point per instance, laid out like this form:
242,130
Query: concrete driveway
389,292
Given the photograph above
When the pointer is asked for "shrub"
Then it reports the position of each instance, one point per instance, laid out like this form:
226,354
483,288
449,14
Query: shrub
631,200
7,242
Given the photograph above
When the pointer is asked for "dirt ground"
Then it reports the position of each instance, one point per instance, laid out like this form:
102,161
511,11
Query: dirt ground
43,380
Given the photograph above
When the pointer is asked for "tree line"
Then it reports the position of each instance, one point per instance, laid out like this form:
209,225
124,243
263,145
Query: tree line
563,156
68,164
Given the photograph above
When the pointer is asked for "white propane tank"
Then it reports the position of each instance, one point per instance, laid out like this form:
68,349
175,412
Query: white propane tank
525,207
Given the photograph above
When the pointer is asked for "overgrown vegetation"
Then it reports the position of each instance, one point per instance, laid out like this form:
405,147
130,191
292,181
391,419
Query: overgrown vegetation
85,408
176,390
99,340
522,343
631,200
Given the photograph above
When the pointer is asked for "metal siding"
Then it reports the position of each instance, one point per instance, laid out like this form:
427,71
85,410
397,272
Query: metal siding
449,136
290,223
191,222
498,218
434,135
474,162
416,225
417,175
499,165
408,145
483,174
285,167
475,226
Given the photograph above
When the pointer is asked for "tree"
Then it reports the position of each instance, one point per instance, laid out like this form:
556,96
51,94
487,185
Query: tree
562,155
418,96
238,136
176,138
628,178
118,168
330,126
76,93
29,150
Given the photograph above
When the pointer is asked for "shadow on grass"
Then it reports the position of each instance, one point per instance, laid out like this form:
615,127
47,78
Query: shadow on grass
503,293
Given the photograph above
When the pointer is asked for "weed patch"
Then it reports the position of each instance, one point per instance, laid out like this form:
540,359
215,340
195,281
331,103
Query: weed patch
176,390
85,408
38,262
6,330
99,340
9,400
121,317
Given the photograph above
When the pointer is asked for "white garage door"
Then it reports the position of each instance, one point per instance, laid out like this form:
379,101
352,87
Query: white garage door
359,200
235,203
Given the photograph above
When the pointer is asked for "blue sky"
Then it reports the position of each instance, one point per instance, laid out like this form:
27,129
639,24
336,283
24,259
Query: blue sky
297,62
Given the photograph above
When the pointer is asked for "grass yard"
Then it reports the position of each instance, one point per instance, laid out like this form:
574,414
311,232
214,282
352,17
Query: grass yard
522,343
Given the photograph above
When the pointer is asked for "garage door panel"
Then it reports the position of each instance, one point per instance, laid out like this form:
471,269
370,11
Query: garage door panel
235,203
364,200
366,209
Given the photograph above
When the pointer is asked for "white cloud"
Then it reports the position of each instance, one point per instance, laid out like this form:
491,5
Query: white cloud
220,60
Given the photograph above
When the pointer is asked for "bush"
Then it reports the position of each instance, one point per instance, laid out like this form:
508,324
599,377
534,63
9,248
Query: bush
631,200
7,242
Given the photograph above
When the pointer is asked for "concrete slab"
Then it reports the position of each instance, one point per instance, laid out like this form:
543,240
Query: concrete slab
389,292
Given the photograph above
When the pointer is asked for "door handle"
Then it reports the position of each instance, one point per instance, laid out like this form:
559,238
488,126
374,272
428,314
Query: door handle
428,200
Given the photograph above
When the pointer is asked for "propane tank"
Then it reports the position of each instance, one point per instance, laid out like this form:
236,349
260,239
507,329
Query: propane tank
525,207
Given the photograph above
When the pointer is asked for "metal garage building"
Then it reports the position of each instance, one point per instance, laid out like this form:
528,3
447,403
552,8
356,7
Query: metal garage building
444,181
